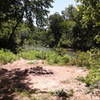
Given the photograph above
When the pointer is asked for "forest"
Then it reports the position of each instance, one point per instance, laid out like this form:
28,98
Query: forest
43,47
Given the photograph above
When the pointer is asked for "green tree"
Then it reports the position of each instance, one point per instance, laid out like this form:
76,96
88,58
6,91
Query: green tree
87,27
55,21
67,33
33,11
69,13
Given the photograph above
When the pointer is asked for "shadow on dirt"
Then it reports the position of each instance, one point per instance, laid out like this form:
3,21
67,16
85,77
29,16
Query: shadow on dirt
13,80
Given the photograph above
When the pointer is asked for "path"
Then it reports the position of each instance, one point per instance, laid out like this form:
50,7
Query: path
61,78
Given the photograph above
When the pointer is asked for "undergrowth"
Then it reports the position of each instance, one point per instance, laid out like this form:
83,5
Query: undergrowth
7,57
90,60
51,57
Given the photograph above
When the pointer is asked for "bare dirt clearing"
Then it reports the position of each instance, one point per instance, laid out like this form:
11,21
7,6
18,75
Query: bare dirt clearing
35,75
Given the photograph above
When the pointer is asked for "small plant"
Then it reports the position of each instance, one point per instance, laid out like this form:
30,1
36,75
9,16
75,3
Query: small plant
80,78
51,92
83,59
7,57
30,62
50,56
90,60
31,55
55,58
93,77
64,94
26,93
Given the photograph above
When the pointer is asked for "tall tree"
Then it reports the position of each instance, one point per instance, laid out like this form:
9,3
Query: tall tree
88,23
27,9
33,11
55,26
69,13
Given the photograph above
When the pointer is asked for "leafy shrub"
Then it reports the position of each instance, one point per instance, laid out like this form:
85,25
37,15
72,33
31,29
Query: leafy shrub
41,55
93,77
55,58
31,55
80,78
64,59
84,59
91,60
64,93
7,57
51,56
88,59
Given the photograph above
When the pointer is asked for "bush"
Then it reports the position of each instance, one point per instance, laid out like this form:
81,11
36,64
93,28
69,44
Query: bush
41,55
7,57
51,56
55,58
88,59
64,60
91,60
31,55
93,77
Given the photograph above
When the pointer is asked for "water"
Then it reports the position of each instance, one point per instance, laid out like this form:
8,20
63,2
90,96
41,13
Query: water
40,48
68,52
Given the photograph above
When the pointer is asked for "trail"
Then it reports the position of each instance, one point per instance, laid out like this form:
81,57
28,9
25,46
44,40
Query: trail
62,77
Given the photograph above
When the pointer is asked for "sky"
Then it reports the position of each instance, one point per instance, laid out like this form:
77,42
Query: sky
60,5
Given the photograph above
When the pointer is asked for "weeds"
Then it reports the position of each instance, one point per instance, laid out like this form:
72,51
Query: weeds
50,56
90,60
64,94
7,57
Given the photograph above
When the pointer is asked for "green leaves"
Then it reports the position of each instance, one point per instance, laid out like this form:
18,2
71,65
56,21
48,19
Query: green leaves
28,9
55,21
89,59
7,57
93,77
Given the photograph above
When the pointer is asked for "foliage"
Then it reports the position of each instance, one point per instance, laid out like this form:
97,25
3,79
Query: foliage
54,58
28,9
90,11
55,21
93,77
21,34
64,93
87,27
91,60
69,13
88,59
66,39
39,37
97,39
31,55
7,57
80,78
16,12
77,27
51,56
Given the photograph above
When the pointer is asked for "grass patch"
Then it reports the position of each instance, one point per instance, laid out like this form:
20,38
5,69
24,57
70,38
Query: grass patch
93,78
90,60
50,56
7,57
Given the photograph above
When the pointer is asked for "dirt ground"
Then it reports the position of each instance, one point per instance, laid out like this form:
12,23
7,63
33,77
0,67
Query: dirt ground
36,75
